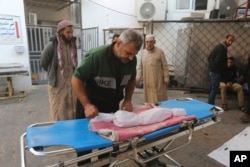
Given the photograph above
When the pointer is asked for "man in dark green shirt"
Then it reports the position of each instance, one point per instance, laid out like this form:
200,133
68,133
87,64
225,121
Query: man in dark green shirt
106,71
106,76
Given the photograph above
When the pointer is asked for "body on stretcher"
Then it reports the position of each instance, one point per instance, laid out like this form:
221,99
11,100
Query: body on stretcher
76,135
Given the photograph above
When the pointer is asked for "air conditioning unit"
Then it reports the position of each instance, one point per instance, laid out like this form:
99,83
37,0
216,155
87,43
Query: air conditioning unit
33,18
197,15
154,10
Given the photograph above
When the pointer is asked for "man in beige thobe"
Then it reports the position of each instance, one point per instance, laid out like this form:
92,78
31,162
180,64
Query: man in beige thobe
59,59
153,69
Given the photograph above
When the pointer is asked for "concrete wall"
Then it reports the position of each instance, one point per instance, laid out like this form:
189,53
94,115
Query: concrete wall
107,14
174,14
226,7
8,52
48,15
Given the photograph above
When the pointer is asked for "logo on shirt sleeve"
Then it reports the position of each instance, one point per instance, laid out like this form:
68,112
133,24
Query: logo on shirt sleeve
125,80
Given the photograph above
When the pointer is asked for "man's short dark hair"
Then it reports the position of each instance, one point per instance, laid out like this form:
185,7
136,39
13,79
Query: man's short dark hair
229,35
115,35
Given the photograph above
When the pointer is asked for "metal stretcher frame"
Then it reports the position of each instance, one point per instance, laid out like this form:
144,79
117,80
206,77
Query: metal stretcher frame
141,149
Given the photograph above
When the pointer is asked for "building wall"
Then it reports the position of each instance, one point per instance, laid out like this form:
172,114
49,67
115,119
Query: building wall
47,16
174,14
107,14
8,53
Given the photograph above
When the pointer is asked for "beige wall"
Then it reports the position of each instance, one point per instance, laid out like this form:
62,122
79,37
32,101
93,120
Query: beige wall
15,8
48,16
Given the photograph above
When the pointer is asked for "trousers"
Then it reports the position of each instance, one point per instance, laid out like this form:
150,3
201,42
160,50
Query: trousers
236,88
215,84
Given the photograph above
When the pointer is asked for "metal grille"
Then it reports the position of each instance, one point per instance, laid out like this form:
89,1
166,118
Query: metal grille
187,45
38,37
89,39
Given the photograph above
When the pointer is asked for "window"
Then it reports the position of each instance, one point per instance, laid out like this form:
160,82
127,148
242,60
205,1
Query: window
76,13
200,5
191,4
183,4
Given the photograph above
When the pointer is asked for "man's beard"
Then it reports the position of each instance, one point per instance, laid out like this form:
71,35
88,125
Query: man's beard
65,39
125,61
150,49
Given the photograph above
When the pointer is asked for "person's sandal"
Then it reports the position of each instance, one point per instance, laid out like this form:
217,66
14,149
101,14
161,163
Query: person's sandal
224,107
242,108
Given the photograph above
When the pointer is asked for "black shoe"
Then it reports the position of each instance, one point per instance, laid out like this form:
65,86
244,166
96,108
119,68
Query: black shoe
224,107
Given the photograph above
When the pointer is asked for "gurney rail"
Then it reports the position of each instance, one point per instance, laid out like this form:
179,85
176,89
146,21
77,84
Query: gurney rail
127,150
141,149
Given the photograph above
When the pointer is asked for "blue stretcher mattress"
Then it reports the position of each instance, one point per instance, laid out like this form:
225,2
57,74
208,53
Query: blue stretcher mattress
76,133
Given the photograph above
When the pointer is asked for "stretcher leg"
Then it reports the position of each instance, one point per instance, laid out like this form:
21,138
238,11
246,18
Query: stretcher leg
10,87
9,93
174,161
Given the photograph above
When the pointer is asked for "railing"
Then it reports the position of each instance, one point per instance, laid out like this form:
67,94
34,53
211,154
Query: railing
38,36
186,44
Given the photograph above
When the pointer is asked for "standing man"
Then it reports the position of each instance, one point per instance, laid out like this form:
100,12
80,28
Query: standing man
217,61
106,71
106,76
59,59
153,68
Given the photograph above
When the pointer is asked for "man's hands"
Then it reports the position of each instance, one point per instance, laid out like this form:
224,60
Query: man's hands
229,84
91,111
127,105
137,82
166,83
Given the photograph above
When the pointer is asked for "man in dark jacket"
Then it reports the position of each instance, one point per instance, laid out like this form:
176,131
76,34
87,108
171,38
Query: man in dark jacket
217,60
59,59
229,81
